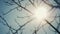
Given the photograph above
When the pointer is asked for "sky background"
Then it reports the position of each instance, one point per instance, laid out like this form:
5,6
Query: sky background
15,14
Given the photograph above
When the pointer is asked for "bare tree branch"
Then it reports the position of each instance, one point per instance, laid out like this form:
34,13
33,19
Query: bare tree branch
53,27
10,10
57,2
51,5
23,26
22,7
32,3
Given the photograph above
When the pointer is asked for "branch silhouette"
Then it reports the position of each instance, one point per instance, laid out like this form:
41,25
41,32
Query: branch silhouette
23,7
53,27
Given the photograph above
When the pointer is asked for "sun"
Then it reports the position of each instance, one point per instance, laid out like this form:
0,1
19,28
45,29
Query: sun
41,13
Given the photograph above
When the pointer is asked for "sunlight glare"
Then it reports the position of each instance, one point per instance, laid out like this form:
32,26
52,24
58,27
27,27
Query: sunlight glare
41,13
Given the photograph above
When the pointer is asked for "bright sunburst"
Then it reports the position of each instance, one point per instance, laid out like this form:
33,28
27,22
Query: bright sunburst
41,13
